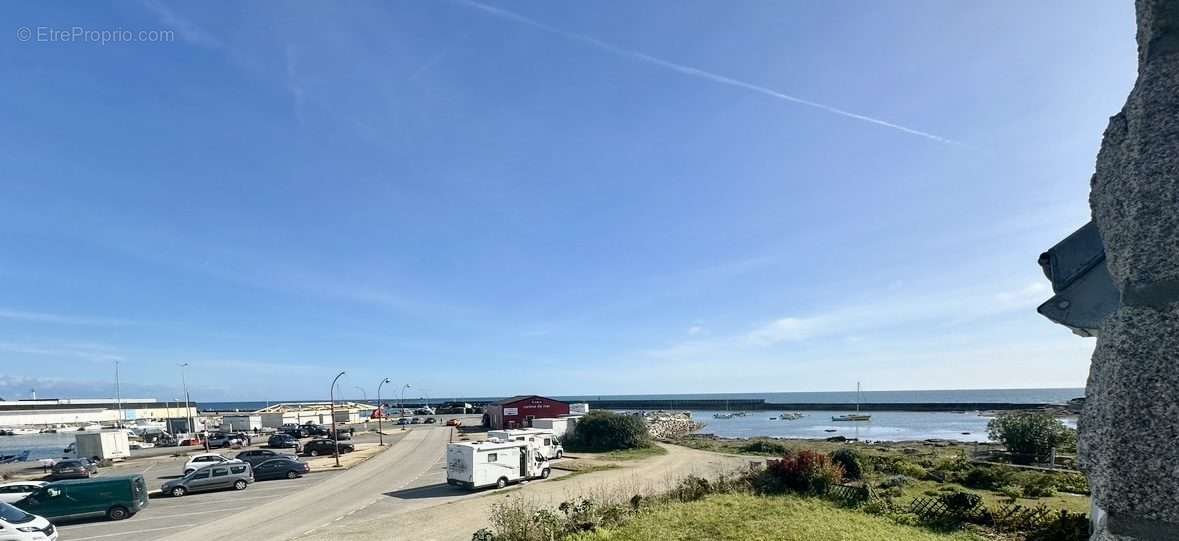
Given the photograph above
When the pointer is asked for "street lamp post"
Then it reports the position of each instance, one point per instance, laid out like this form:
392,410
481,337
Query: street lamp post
335,430
187,408
362,393
403,388
381,411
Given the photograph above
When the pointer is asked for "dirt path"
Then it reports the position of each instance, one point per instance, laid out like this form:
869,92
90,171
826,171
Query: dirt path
432,513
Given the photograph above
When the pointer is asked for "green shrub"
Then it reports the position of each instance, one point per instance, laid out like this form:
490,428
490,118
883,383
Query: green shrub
1066,527
807,472
1036,485
985,477
910,469
764,447
898,481
953,463
1071,482
1012,493
608,431
959,502
1031,434
849,459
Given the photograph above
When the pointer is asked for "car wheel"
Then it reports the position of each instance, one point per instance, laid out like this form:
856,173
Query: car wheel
314,453
179,491
240,484
188,471
292,475
502,482
560,454
117,513
544,474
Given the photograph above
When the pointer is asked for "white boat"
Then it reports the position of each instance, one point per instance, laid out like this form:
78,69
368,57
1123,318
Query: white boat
857,416
20,430
790,416
92,427
722,415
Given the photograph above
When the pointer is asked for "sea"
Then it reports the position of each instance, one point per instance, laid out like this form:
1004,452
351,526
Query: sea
884,425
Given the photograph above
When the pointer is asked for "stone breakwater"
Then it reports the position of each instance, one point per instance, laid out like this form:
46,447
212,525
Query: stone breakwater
669,425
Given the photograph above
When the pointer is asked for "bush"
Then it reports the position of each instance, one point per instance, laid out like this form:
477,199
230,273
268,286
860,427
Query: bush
960,503
1067,527
1031,434
849,459
985,477
898,481
1036,485
910,469
764,447
1072,482
807,472
953,463
608,431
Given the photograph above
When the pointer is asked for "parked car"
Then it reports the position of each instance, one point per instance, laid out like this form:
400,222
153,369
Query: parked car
258,456
324,446
454,422
403,421
204,459
74,468
12,492
316,430
430,420
280,468
415,421
220,439
296,432
18,525
116,497
284,441
236,475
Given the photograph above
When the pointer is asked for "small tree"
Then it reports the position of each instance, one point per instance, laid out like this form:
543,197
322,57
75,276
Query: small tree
1032,434
608,431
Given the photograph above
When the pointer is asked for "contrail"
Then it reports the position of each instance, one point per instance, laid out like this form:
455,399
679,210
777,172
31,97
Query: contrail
695,72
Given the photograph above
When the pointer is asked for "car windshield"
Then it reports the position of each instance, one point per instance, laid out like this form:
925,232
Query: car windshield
12,515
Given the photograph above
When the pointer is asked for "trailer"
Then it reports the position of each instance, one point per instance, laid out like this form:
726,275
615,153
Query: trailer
542,438
242,423
105,445
475,465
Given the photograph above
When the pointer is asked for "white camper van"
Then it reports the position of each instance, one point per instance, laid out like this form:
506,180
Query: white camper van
542,439
486,463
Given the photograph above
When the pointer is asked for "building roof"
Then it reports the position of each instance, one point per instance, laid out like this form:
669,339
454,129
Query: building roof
519,398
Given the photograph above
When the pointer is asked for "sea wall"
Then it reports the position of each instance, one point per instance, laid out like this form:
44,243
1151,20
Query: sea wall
668,425
762,405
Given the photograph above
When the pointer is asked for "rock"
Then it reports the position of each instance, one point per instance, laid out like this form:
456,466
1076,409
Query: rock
1128,421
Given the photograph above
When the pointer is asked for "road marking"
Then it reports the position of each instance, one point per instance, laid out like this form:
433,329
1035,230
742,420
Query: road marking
133,532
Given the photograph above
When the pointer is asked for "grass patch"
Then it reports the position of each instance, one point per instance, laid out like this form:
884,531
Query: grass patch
627,454
583,469
734,517
993,499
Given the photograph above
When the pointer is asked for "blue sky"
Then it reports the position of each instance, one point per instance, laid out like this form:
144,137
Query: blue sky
546,197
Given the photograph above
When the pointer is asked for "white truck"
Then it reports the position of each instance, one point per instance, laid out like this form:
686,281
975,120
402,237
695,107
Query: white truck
542,439
105,445
482,464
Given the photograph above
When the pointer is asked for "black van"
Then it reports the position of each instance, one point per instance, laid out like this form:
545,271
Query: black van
115,497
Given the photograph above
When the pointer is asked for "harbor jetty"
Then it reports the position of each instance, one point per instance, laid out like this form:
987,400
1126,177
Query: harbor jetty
762,405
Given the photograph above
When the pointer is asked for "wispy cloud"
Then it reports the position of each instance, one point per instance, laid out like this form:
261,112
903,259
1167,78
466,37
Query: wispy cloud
89,353
44,317
186,29
697,72
298,97
433,61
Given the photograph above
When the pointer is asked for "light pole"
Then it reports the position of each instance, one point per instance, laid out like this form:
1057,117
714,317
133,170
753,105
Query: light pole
335,431
362,393
118,394
381,411
187,408
403,388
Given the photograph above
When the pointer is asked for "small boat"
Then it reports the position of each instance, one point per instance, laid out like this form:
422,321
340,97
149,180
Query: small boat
790,416
857,416
722,415
18,431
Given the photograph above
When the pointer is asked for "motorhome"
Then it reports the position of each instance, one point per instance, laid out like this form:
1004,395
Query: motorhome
542,439
482,464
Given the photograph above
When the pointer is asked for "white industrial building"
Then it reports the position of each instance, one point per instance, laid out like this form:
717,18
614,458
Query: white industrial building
319,413
53,412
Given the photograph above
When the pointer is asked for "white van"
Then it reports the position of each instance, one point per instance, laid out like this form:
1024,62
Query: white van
542,439
481,464
18,525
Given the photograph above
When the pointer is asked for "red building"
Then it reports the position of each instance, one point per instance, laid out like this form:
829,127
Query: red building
519,411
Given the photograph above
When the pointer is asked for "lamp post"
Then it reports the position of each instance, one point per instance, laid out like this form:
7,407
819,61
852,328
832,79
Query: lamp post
362,393
335,431
187,408
118,394
403,388
381,411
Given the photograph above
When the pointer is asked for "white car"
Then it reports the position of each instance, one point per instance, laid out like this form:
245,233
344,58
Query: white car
18,525
205,459
11,492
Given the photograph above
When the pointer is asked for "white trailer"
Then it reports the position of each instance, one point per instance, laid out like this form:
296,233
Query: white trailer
542,439
559,426
105,445
482,464
242,423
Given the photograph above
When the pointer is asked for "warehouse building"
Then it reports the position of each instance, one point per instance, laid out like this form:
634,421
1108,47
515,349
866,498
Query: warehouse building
71,412
519,411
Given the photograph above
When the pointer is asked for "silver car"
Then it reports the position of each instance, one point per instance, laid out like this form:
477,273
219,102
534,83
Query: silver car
235,475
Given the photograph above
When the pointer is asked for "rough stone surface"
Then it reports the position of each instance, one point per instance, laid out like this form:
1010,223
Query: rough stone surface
1129,427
